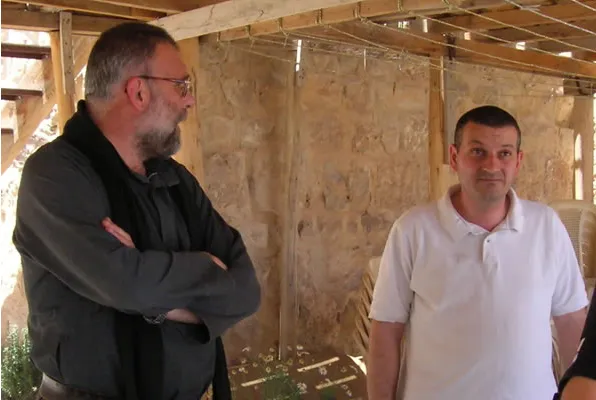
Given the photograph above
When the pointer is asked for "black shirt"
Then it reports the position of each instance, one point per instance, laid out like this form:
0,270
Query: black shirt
76,274
584,364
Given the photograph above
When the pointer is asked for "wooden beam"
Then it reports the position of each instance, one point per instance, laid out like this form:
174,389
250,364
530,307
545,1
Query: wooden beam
32,111
521,18
24,51
46,21
466,50
326,13
436,126
62,68
96,8
288,307
163,6
191,153
554,31
557,47
7,131
10,94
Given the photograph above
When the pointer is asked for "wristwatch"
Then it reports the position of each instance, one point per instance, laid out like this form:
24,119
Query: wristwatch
155,320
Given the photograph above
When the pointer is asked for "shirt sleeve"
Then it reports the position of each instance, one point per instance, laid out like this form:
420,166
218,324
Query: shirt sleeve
60,207
584,364
392,295
220,312
570,291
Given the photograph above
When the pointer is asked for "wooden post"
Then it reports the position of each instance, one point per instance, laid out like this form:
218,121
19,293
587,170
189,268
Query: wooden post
63,69
191,153
436,142
288,312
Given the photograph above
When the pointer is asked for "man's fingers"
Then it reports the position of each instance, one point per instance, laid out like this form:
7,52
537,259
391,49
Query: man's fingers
218,262
118,232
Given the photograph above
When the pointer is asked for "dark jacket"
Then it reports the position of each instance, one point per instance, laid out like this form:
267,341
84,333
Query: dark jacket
77,276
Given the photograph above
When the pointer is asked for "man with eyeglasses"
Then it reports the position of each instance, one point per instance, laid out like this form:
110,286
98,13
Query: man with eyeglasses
131,275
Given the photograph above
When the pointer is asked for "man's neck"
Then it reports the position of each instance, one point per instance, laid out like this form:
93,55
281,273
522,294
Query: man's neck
487,216
115,130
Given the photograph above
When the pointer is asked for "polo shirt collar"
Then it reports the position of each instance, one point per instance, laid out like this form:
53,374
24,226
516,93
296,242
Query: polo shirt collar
458,227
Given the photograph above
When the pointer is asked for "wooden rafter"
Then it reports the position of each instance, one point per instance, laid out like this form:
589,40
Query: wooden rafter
557,47
351,12
521,18
164,6
49,21
24,51
95,8
554,30
10,94
463,50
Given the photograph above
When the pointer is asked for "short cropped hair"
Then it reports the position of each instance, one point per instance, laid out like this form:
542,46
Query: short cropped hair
492,116
118,50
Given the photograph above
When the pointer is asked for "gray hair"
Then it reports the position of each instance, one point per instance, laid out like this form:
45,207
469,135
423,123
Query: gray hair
117,51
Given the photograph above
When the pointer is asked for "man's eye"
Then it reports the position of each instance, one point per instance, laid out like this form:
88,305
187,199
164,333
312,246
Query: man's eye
477,152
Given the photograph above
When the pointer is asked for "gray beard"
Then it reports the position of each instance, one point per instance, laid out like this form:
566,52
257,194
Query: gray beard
156,145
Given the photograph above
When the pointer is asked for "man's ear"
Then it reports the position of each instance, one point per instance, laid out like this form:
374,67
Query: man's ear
453,157
138,93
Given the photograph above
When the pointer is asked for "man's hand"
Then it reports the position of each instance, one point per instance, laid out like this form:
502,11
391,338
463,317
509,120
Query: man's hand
218,262
118,232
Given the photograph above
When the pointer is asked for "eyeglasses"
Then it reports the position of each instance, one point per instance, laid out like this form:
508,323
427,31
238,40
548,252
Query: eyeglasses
184,86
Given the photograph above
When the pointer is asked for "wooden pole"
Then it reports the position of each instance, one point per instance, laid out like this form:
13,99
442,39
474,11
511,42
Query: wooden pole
288,313
191,153
436,141
63,69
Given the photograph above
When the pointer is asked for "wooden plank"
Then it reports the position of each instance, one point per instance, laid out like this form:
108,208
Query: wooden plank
236,13
62,68
553,31
288,308
328,14
472,51
32,111
24,51
96,8
46,21
163,6
436,128
566,12
557,47
191,152
13,94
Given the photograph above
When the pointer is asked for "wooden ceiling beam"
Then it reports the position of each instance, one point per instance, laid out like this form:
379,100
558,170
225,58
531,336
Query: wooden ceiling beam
96,8
556,47
554,30
351,12
465,50
566,12
49,21
24,51
162,6
10,94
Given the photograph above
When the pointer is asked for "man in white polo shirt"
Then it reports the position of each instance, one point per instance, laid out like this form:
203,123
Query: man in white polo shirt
474,280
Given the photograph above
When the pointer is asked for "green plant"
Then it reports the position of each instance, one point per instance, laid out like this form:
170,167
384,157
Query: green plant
280,386
20,378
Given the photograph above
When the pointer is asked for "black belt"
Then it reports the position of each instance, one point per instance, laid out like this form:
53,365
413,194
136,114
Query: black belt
50,389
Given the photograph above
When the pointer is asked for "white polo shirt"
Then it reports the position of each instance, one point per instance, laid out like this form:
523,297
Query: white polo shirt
478,303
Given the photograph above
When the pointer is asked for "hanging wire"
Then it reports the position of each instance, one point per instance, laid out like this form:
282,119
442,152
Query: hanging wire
522,29
414,61
402,53
579,3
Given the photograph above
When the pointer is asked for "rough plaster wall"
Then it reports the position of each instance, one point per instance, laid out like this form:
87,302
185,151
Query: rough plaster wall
363,143
242,120
546,173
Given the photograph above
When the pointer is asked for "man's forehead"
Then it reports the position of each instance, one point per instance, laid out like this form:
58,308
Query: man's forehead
167,60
